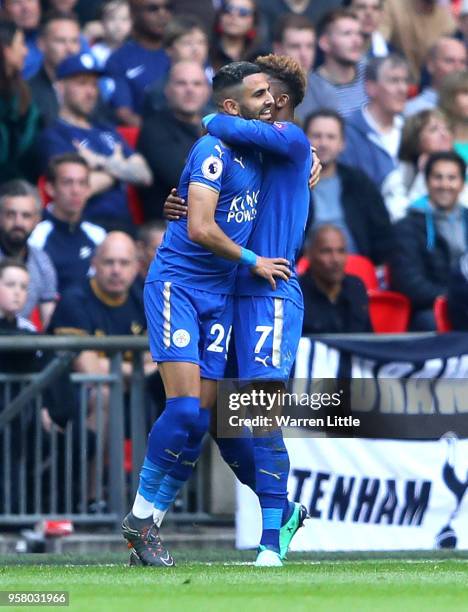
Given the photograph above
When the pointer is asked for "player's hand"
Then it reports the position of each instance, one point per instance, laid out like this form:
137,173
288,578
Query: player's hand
174,207
270,269
316,169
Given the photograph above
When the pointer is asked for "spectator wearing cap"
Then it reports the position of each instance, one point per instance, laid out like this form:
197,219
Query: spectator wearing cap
314,10
412,27
112,162
341,42
141,61
67,239
446,56
295,36
431,239
373,133
168,135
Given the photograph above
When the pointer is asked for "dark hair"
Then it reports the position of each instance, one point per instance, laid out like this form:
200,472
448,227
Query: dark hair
291,22
375,64
252,39
288,72
178,27
9,262
410,143
64,158
331,17
231,76
447,156
11,86
324,113
55,15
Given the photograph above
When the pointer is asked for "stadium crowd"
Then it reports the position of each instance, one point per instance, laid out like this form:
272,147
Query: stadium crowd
101,101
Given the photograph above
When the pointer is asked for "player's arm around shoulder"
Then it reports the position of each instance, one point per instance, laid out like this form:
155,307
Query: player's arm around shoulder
279,138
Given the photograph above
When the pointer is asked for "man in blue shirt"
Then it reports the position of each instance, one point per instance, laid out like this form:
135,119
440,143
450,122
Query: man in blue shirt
69,241
141,61
188,294
112,162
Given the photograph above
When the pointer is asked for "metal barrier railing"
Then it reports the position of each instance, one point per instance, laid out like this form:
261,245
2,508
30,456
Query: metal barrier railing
53,472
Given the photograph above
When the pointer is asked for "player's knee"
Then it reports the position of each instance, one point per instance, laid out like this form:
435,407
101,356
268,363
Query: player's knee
188,410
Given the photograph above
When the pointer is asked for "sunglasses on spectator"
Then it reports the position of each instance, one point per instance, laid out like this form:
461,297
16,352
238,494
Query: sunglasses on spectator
237,10
155,8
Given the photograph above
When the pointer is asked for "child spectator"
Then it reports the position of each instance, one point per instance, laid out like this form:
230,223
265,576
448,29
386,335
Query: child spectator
14,281
116,26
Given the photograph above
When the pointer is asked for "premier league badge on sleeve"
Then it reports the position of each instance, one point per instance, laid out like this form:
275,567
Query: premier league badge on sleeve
212,168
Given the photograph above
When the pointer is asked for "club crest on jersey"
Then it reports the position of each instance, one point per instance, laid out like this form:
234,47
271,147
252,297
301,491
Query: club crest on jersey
212,168
181,338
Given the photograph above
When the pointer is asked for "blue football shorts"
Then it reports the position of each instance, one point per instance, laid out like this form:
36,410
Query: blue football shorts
189,325
267,332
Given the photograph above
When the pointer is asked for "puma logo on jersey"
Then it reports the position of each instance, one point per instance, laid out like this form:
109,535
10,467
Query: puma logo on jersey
220,151
264,360
172,453
277,476
239,161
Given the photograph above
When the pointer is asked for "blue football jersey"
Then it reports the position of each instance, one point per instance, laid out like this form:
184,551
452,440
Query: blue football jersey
236,175
283,205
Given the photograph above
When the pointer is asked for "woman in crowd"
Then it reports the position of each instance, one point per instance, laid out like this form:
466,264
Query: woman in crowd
454,103
18,115
424,133
236,34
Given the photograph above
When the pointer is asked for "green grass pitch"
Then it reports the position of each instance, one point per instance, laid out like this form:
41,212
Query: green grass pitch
224,581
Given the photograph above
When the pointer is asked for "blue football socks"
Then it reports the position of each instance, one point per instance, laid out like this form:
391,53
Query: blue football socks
166,441
238,453
182,470
272,469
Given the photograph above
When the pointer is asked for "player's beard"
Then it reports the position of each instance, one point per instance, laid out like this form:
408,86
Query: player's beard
247,113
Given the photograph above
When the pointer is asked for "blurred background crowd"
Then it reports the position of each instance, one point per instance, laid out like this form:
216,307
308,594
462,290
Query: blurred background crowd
101,100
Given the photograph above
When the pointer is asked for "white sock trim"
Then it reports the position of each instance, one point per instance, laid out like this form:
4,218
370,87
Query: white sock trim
158,516
142,508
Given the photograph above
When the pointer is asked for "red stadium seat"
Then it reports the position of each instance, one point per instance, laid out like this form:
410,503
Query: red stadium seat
357,265
130,135
35,319
302,265
361,266
41,186
389,311
441,315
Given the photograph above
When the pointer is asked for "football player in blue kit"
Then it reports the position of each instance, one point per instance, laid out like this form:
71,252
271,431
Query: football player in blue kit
268,321
189,293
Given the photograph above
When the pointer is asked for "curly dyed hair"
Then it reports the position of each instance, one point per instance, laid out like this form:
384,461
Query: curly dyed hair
286,70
